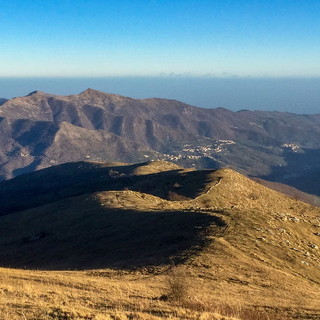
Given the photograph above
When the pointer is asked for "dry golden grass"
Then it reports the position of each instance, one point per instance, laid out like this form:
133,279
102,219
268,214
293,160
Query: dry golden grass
243,251
86,295
82,295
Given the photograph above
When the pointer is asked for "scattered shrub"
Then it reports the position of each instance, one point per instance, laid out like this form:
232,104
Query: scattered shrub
177,285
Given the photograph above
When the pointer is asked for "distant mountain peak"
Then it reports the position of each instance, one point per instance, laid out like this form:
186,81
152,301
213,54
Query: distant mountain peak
36,93
96,93
91,91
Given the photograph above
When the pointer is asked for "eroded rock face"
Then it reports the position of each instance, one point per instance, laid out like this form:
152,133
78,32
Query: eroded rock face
41,129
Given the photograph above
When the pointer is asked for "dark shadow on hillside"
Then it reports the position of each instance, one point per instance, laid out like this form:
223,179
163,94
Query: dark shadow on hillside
73,179
87,236
175,185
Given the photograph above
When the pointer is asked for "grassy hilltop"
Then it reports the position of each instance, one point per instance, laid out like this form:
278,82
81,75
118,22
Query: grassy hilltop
155,241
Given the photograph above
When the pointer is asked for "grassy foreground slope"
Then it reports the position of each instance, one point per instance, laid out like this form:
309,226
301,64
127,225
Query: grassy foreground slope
159,242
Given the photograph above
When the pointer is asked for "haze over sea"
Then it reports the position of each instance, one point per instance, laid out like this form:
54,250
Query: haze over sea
299,95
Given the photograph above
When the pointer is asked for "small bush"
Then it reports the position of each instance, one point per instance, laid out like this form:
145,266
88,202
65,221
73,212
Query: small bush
253,196
58,314
177,285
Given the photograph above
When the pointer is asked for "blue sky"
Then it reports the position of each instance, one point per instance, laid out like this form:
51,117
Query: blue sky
153,37
202,39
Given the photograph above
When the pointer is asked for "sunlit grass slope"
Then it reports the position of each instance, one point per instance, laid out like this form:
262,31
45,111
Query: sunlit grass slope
113,241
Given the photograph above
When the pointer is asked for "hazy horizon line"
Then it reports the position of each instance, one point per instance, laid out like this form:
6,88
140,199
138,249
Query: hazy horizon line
288,94
171,76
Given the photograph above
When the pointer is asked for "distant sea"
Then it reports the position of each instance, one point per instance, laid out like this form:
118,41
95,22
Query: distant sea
299,95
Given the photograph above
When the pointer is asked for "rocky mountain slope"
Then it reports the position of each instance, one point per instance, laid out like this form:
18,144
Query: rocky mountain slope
40,130
126,228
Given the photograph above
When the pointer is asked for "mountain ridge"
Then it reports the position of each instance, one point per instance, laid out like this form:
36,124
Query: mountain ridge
131,226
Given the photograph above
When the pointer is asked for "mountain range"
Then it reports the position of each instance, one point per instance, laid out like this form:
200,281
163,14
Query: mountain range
41,130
